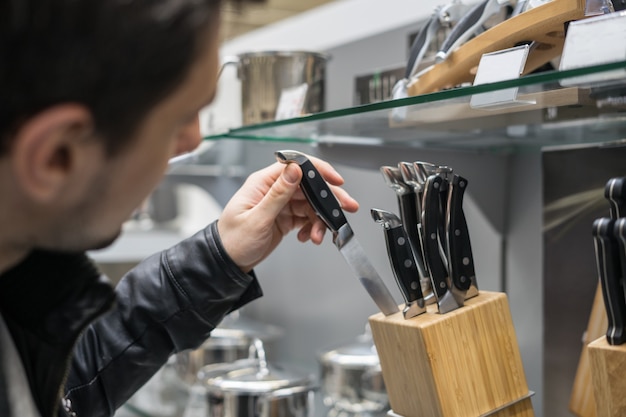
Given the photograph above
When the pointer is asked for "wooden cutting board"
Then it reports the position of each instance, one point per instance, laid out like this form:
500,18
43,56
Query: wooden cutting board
544,24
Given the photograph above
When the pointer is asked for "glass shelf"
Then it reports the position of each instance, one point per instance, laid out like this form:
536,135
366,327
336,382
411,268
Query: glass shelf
558,108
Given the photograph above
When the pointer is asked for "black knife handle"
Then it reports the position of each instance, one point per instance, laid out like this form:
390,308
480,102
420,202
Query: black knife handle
431,207
465,24
316,190
419,46
403,264
410,221
615,192
619,232
607,259
460,261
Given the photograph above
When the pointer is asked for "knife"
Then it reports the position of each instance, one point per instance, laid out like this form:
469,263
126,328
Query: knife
411,177
471,24
431,218
615,192
443,16
619,232
607,260
402,262
329,211
461,261
408,205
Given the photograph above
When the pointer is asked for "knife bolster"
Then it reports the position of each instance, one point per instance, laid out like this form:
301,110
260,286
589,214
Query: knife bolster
465,363
607,374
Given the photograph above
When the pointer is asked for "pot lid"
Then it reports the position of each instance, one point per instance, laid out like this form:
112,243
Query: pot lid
359,353
283,53
238,330
251,376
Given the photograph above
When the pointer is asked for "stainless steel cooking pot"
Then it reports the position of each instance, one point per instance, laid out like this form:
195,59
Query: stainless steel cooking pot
351,378
266,76
230,341
252,388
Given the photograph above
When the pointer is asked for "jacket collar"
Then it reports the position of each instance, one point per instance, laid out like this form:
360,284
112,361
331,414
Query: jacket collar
47,300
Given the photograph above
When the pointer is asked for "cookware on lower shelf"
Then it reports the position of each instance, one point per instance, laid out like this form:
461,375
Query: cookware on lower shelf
351,378
253,388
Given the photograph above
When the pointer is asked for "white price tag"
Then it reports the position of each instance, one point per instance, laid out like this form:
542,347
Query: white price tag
507,64
594,41
291,102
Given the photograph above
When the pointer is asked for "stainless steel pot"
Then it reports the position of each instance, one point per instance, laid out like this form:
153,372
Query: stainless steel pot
351,378
267,75
229,342
252,388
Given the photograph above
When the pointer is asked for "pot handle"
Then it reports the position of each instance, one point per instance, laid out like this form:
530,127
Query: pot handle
257,351
228,60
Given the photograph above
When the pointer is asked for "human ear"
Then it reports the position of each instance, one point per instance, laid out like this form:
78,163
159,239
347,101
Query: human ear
45,150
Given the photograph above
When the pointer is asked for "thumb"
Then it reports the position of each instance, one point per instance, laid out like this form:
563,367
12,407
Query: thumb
281,191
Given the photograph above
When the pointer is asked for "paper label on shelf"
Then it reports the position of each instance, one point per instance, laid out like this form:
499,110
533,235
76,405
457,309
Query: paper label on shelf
503,65
291,102
594,41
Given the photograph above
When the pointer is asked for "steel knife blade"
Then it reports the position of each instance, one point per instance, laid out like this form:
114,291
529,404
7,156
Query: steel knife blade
609,275
461,260
326,206
402,262
431,217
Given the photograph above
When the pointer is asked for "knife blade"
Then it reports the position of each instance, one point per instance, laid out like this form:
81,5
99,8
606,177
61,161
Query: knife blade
615,192
461,260
607,261
469,25
402,262
329,211
431,217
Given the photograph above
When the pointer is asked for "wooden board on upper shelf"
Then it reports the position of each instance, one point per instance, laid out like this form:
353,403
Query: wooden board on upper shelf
450,114
544,24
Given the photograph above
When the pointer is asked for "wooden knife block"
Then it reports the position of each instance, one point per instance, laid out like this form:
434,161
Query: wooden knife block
465,363
608,371
582,402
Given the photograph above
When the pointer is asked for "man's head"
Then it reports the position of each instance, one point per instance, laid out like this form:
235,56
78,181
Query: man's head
117,57
97,96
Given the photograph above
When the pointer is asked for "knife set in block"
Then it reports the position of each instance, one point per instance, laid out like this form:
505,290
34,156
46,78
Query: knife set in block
607,354
465,363
542,26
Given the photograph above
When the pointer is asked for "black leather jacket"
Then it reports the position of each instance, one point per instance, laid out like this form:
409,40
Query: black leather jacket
80,339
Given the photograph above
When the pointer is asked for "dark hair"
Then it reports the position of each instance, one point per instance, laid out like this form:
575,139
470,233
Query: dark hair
117,57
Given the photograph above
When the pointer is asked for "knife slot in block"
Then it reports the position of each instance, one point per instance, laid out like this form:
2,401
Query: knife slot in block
465,363
607,373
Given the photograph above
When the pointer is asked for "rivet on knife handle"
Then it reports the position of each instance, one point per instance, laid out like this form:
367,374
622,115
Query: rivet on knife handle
328,209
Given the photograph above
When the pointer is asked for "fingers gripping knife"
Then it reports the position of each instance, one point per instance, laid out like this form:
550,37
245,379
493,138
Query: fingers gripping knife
328,209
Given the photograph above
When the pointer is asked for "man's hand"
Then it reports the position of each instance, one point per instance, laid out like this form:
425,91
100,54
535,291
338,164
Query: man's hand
268,206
